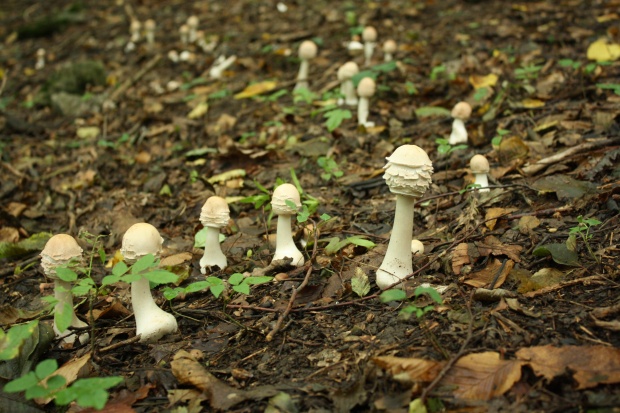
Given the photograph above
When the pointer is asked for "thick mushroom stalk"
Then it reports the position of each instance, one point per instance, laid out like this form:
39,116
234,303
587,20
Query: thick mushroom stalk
479,166
369,35
285,246
62,250
461,112
215,214
347,88
307,51
152,322
408,175
365,90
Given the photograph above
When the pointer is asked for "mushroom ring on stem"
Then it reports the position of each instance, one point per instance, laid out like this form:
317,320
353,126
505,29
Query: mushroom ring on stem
151,321
61,251
408,175
285,246
215,214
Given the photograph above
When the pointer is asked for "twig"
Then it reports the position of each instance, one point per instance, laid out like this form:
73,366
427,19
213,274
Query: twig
301,286
127,83
561,285
120,344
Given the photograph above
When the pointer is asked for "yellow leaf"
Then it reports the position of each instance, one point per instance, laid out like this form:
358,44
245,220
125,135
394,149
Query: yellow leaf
532,103
256,89
483,81
199,111
602,51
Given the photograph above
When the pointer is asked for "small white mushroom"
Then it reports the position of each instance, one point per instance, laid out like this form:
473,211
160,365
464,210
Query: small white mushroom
369,36
63,250
389,48
365,90
347,88
285,246
192,25
151,321
307,51
184,33
149,31
40,64
134,31
187,56
220,65
173,55
355,47
417,248
479,166
214,215
408,175
461,112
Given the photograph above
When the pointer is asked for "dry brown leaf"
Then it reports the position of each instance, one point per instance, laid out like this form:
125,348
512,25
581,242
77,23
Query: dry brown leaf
176,259
512,148
416,369
9,234
482,376
492,245
71,370
460,257
493,213
589,365
485,276
527,224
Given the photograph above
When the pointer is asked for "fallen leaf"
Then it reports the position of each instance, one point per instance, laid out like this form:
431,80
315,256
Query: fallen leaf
427,111
256,89
559,253
492,245
360,283
71,370
460,257
512,148
546,277
479,82
527,224
199,111
493,213
88,132
603,51
564,186
485,276
532,103
589,365
415,369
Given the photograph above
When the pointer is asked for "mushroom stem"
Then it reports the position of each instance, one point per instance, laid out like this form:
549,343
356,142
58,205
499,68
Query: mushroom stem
302,76
483,181
62,293
459,133
398,259
151,321
213,252
369,48
362,112
347,88
285,246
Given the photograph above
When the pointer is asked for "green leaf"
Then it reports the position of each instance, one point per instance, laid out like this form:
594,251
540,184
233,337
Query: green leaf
110,279
335,118
334,245
66,274
258,280
426,111
143,263
55,382
214,281
236,278
392,295
83,287
45,368
197,286
161,277
12,340
120,269
25,382
216,290
172,293
385,67
201,237
559,253
362,242
430,291
63,317
242,288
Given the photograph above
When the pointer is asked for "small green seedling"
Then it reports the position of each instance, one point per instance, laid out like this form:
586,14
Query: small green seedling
583,230
497,140
213,284
335,117
330,167
610,86
11,341
444,147
146,267
335,244
260,199
241,284
412,308
304,95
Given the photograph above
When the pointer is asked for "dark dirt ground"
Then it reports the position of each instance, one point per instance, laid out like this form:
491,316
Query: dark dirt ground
139,168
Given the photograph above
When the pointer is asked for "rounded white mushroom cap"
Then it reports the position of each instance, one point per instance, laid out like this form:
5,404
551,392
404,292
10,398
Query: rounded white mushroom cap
149,25
59,250
348,70
479,164
141,239
366,87
283,193
389,46
417,248
41,53
184,29
461,110
408,171
369,34
192,22
215,212
135,26
307,50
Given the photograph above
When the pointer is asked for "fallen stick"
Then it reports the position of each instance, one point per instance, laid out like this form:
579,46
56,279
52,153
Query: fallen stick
127,83
561,285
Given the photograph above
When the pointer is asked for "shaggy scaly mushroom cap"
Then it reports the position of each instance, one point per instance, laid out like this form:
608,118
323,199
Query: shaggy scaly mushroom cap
61,249
283,193
141,239
408,171
215,212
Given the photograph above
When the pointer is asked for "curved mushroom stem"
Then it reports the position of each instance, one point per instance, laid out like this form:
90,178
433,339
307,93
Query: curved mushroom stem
285,246
362,112
213,251
397,262
302,76
483,181
151,321
348,90
62,293
459,133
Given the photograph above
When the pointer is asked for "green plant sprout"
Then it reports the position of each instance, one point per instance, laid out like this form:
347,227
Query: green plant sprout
610,86
569,63
257,200
335,117
215,285
410,88
497,140
444,147
309,204
412,308
335,244
146,267
304,95
330,167
43,383
583,230
241,284
11,341
528,72
469,187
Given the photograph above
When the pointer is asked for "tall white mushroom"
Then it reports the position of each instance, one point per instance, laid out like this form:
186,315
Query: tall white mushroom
149,31
307,51
408,175
192,25
389,48
347,88
134,31
460,112
214,215
221,63
369,36
479,166
63,250
365,90
285,246
184,34
40,64
151,321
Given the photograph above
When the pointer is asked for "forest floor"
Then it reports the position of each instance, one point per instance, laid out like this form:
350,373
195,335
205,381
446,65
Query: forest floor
529,313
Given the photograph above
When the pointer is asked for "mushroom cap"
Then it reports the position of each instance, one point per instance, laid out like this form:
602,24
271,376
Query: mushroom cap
366,87
408,171
348,70
184,28
417,248
59,250
369,34
307,50
215,212
141,239
479,164
461,110
283,193
192,21
135,25
389,46
41,52
149,24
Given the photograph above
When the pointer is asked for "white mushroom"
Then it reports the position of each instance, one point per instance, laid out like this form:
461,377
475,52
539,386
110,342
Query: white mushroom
40,64
365,90
417,248
307,51
134,31
214,215
479,166
63,250
408,175
149,31
187,56
369,36
192,25
221,63
285,246
173,55
184,33
347,89
355,47
460,113
151,321
389,48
